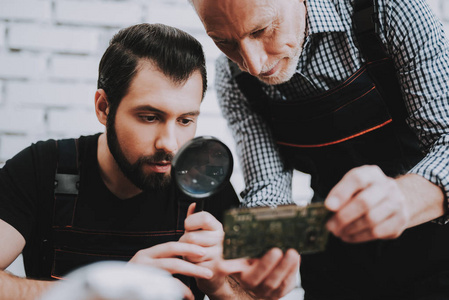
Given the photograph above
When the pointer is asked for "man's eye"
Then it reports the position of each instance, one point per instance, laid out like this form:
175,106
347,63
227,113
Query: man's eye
186,121
258,32
225,44
148,118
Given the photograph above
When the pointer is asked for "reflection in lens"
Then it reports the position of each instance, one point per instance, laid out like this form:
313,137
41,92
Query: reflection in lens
202,166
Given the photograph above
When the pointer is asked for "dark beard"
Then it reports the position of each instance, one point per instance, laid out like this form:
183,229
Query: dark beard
134,172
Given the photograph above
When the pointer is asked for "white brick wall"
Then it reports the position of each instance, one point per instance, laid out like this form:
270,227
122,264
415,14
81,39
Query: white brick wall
181,15
2,35
51,94
99,13
1,92
53,38
21,120
21,65
25,10
73,121
12,144
76,68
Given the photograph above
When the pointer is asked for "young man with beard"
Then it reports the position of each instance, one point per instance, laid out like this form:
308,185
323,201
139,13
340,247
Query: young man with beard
354,93
112,196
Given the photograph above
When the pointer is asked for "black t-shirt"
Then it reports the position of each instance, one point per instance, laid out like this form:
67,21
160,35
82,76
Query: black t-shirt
26,200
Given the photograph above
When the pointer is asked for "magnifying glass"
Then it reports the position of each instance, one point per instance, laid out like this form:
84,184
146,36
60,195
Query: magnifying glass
202,167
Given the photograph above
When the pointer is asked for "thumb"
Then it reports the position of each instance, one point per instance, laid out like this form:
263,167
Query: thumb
233,266
191,209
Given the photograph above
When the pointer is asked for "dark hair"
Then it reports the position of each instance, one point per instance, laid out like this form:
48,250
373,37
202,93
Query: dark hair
176,53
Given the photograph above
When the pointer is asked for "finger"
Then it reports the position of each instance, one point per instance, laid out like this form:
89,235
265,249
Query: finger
202,221
360,204
234,266
389,229
352,182
191,209
203,238
283,277
180,266
213,253
171,249
261,268
374,217
287,285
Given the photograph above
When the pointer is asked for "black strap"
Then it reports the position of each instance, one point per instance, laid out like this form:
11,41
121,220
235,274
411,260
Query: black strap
366,27
365,16
67,175
66,182
365,21
252,89
53,195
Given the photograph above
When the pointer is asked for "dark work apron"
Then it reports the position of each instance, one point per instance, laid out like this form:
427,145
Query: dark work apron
66,247
360,122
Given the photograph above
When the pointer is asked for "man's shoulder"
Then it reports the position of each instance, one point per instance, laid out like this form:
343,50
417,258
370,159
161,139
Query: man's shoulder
43,148
221,66
222,61
45,151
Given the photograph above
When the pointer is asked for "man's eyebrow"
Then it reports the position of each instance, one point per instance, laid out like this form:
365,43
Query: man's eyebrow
219,39
255,28
192,113
150,108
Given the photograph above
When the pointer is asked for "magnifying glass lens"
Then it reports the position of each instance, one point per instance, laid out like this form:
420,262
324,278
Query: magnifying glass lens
202,166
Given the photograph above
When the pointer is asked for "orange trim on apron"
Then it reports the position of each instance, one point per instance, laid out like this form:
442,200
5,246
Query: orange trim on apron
338,141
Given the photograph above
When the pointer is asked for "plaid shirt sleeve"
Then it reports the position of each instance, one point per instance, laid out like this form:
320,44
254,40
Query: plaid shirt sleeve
417,43
266,181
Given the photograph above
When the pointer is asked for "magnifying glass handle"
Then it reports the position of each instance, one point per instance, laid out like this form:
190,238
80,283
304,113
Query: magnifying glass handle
199,205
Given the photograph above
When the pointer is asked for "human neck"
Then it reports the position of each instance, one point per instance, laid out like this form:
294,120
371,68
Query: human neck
110,172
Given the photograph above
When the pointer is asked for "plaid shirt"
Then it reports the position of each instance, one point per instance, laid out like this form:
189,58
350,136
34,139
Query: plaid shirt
414,39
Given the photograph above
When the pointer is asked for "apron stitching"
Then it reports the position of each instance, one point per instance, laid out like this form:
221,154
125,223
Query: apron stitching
338,141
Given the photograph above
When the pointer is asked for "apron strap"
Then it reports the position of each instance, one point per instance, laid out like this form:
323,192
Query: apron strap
66,183
54,194
365,21
252,89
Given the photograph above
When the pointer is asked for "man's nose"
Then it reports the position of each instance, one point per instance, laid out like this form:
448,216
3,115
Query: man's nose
167,140
253,55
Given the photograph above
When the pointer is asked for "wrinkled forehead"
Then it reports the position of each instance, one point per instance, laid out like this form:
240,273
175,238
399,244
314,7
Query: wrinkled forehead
234,15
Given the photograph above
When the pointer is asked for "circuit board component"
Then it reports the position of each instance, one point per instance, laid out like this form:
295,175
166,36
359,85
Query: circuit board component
250,232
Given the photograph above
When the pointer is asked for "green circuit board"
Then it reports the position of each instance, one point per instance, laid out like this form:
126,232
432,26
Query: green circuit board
250,232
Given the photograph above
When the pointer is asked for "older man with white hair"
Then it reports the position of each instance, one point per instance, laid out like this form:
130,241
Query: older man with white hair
354,93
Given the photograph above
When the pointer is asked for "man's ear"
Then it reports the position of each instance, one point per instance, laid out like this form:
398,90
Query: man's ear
101,106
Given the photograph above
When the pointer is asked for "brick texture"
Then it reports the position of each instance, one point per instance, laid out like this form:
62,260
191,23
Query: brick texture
2,35
34,37
51,94
21,65
25,10
73,68
98,13
1,92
